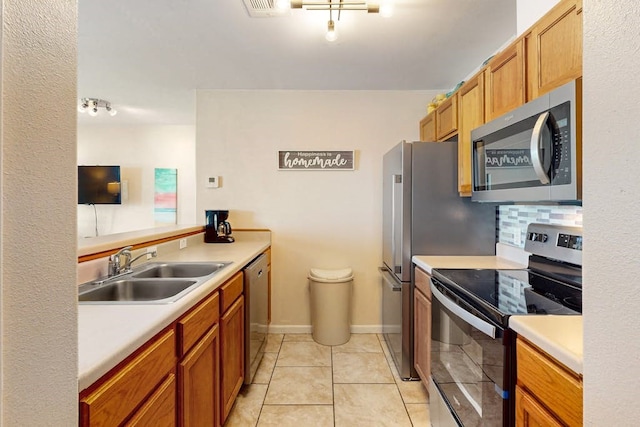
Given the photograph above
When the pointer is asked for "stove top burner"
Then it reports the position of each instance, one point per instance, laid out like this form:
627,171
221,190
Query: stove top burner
502,293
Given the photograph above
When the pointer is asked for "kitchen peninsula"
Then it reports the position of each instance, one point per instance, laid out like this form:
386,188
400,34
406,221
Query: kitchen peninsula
109,334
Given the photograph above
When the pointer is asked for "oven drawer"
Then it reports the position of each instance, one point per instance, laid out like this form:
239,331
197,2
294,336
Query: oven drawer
557,388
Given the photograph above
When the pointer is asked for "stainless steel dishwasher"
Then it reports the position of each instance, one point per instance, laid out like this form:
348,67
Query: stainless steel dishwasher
256,290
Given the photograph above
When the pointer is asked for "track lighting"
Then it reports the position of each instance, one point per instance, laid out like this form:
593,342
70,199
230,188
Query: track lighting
91,105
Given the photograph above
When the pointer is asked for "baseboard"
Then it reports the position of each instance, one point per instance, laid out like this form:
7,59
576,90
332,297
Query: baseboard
307,329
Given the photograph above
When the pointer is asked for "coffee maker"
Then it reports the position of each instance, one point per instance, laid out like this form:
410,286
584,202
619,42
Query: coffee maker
217,229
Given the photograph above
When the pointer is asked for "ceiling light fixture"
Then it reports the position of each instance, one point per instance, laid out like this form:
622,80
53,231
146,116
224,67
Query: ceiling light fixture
338,6
91,105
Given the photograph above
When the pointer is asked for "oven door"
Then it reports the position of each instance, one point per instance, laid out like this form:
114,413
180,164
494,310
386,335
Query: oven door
469,364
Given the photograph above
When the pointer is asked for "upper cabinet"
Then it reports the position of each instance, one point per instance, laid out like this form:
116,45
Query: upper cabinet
547,55
554,49
428,127
471,115
505,80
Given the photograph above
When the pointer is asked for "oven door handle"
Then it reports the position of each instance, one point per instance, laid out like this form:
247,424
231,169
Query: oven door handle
484,327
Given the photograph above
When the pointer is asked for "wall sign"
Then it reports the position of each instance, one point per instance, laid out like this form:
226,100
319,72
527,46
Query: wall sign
315,160
507,158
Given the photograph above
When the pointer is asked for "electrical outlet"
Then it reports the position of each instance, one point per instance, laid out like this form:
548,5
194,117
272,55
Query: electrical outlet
183,243
151,249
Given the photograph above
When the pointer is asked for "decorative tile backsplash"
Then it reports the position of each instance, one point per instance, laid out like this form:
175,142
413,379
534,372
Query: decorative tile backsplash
513,220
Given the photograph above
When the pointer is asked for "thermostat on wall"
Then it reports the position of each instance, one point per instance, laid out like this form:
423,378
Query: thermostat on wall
213,182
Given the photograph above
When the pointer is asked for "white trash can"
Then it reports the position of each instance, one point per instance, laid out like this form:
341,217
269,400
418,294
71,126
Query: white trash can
330,292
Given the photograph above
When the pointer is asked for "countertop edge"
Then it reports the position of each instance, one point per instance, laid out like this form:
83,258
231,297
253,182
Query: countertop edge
549,333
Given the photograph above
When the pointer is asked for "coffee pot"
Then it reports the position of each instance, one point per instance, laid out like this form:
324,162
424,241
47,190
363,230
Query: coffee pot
217,228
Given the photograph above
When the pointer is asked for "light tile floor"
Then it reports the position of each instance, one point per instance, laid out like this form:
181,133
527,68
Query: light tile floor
302,383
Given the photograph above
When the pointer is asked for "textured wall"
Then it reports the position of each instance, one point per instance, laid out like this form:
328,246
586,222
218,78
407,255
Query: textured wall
38,246
611,205
323,219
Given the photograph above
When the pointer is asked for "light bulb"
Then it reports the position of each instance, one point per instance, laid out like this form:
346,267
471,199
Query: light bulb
331,35
386,10
113,112
283,4
93,111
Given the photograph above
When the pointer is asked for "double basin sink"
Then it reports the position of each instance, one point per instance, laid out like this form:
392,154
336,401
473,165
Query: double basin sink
151,283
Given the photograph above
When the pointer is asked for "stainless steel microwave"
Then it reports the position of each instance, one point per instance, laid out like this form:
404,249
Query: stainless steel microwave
533,153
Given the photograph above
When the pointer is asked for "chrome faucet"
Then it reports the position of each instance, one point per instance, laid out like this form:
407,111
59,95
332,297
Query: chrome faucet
117,267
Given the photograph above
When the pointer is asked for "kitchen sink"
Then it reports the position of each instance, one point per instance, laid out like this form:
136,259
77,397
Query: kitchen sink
153,283
179,269
137,290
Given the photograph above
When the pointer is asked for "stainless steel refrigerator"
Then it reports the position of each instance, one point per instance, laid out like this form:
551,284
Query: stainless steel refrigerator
423,215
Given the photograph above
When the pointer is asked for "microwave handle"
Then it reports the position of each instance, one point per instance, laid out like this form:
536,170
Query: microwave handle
535,148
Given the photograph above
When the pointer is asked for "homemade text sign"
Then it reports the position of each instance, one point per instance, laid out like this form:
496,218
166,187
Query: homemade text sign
315,160
507,158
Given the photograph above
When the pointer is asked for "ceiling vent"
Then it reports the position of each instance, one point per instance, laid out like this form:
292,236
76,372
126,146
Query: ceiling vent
263,8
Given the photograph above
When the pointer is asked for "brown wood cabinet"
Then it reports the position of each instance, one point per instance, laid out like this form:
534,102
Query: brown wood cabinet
422,325
471,115
114,399
232,354
428,127
554,49
160,408
548,393
505,81
447,118
199,374
199,369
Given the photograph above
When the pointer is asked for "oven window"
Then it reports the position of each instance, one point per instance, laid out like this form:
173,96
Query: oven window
469,369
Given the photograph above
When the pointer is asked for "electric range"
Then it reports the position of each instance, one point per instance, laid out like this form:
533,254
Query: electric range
473,350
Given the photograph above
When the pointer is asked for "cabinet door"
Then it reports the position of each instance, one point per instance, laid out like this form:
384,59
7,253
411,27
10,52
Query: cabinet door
447,118
198,376
232,354
471,113
422,336
505,81
554,48
529,413
160,409
428,127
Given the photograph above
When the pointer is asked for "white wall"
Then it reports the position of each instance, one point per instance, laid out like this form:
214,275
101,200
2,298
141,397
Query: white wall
323,219
611,206
38,243
529,11
138,150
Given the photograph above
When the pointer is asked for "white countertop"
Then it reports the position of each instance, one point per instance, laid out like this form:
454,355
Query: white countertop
109,333
107,242
559,336
428,263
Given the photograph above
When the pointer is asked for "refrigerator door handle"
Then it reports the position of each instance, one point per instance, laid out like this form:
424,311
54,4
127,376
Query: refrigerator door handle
396,223
389,280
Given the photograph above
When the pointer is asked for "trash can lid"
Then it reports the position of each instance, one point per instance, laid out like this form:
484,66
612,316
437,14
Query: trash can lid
338,274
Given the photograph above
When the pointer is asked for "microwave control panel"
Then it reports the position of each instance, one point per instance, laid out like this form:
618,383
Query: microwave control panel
561,140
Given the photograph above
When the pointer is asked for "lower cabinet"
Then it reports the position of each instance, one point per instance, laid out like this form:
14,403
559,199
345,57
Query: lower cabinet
199,375
422,325
547,392
232,354
134,391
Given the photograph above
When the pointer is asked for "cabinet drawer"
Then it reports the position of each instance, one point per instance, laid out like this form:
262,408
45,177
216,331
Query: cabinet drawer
230,291
198,321
160,409
559,389
113,401
423,282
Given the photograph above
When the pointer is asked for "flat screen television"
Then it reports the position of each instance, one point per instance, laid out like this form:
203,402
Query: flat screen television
99,185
